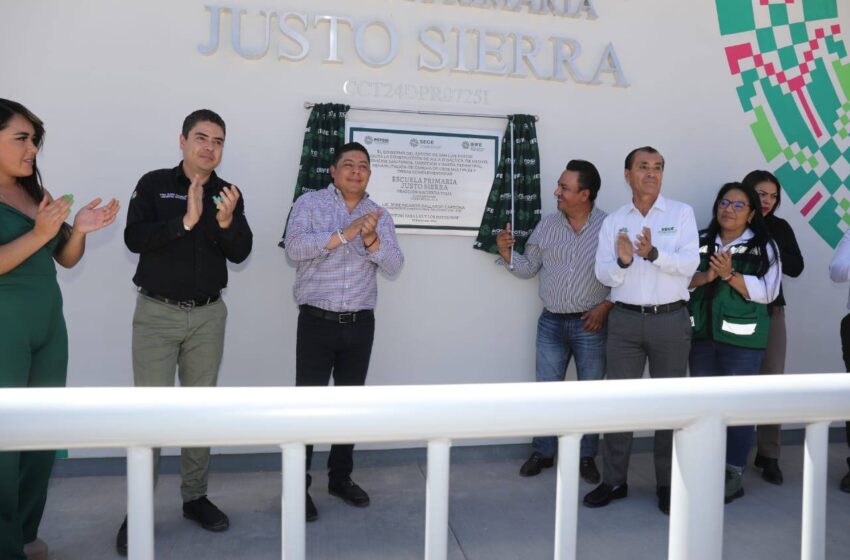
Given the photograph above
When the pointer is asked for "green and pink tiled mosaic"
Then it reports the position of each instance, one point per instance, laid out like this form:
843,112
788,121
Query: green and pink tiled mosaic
793,77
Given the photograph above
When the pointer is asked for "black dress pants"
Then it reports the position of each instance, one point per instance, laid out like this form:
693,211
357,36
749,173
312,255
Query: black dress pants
845,353
326,348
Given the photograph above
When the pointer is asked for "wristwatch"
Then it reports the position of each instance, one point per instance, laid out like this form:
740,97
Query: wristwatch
653,254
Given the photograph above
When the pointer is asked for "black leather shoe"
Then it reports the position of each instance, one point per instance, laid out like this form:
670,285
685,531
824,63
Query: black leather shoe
121,539
535,464
663,493
845,482
602,495
350,492
204,512
588,471
310,509
770,469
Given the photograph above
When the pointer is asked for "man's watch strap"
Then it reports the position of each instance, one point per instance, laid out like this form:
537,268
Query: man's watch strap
652,255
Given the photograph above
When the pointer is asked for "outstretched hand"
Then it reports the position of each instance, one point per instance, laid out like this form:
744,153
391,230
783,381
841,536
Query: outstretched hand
93,217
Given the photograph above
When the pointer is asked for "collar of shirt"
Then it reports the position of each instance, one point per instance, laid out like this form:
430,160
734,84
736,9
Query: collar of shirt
183,179
596,215
365,201
746,236
659,204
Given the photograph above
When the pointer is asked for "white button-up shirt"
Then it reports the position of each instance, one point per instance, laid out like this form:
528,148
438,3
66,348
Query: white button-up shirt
674,233
839,266
761,290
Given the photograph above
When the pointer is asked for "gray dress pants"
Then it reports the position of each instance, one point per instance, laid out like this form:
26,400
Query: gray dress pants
633,338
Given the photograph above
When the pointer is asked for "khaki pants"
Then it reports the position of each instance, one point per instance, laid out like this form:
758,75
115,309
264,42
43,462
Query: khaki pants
168,339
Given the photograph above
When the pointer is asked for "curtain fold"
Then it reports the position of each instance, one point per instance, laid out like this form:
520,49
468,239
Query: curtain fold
324,135
519,206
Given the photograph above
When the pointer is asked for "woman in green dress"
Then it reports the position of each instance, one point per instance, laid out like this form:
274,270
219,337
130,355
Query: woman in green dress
33,340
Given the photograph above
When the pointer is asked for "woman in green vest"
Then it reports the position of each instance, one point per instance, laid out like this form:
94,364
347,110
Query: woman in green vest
33,340
738,276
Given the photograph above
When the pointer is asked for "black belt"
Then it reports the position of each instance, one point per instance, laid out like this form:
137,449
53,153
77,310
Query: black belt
187,304
653,309
567,315
342,318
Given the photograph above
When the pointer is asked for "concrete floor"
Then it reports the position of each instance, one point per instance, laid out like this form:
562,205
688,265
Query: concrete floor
494,514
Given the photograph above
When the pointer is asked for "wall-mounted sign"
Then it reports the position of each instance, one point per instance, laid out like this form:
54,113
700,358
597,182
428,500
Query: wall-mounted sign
431,181
458,48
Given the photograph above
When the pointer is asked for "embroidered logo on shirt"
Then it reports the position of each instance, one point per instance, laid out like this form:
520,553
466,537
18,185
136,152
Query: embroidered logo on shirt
172,195
623,230
668,229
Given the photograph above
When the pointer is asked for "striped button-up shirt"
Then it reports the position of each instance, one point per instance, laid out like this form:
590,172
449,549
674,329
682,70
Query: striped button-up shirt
342,279
564,259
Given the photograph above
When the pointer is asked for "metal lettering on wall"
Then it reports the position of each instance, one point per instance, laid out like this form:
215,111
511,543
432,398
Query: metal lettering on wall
422,93
441,48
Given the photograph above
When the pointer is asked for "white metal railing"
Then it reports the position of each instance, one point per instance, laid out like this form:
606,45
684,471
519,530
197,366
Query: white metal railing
698,409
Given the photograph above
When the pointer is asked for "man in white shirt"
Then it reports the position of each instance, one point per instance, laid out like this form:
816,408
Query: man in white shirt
839,271
648,251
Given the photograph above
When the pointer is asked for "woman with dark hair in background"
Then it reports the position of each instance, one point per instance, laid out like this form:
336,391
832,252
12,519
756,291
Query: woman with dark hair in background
33,340
769,190
738,276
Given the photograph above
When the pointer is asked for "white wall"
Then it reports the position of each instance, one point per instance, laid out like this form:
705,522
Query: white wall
113,81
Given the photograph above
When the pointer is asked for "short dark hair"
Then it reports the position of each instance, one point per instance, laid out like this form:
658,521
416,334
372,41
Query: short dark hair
648,149
202,115
588,176
753,178
351,147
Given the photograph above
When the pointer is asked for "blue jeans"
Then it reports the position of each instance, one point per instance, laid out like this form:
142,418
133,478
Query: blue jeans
709,358
558,340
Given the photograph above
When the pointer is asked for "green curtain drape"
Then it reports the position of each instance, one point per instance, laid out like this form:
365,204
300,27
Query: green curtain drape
526,188
324,135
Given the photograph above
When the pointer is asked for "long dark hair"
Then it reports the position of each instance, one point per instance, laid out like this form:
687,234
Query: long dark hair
753,178
8,109
761,236
32,184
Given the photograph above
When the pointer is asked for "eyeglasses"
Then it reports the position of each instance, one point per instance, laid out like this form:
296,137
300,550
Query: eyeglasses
767,195
737,205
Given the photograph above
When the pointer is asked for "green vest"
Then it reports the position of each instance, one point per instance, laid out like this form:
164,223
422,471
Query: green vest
719,312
